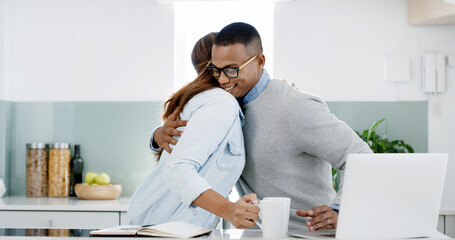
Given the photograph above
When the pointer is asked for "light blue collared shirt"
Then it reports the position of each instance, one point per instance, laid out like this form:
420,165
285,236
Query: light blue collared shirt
258,88
210,155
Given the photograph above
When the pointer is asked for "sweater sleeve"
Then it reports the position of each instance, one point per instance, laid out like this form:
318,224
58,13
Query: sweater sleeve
318,132
212,117
151,145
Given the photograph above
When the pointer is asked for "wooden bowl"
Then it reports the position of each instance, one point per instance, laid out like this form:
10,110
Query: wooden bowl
98,192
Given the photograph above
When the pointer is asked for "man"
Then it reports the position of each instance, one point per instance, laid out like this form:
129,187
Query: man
291,138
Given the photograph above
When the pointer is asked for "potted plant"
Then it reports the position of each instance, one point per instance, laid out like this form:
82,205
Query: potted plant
378,144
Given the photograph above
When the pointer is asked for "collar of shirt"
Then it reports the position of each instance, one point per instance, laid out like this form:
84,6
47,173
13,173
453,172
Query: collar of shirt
242,118
258,88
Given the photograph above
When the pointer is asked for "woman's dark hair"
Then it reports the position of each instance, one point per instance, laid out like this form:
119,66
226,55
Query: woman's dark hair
201,55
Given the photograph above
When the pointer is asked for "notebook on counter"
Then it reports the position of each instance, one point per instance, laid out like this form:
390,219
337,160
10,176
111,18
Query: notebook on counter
170,230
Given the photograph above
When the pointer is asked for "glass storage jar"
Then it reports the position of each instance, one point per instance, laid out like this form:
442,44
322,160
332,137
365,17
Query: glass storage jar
59,170
36,232
36,170
59,232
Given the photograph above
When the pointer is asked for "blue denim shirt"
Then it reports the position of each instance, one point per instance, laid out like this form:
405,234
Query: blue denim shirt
258,87
209,155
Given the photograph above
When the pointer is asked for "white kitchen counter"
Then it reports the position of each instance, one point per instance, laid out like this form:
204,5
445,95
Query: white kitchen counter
217,234
65,212
447,212
46,212
75,204
22,203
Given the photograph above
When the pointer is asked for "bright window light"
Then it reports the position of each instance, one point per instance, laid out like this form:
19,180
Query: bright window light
194,19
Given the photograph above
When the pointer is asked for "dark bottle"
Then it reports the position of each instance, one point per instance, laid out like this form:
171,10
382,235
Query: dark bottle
76,169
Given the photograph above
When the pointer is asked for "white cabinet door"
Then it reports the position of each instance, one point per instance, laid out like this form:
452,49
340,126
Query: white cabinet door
124,220
57,219
450,226
441,224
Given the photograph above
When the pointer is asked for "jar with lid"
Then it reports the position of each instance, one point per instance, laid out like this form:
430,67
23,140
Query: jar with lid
59,232
59,169
36,170
36,232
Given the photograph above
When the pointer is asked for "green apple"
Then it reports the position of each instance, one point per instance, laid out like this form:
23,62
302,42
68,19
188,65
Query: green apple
102,179
90,177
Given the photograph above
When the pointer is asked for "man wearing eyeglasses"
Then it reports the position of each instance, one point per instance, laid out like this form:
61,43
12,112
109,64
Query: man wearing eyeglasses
291,139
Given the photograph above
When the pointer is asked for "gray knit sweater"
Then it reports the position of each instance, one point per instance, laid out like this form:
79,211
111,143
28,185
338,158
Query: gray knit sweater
292,141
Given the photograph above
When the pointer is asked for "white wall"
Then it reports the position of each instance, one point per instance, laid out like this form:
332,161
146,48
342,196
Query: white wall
119,50
104,50
2,49
335,49
440,138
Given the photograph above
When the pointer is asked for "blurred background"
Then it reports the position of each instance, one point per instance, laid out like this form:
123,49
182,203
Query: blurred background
96,72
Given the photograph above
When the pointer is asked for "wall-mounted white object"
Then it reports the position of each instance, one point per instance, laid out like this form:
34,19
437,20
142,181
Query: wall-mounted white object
433,69
440,73
451,61
429,72
396,69
2,188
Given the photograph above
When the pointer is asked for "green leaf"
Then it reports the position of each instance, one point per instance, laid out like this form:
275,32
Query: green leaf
381,144
373,128
409,148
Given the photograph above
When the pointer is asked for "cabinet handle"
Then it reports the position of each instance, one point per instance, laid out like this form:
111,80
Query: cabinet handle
50,223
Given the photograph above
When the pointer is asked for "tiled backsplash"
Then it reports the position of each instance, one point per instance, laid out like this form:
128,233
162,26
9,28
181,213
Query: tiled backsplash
114,135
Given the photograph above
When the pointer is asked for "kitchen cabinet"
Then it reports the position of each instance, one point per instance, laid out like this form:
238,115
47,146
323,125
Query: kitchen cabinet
124,220
23,212
58,219
427,12
441,224
450,226
446,223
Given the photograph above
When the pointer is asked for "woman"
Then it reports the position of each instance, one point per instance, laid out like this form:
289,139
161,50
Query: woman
192,183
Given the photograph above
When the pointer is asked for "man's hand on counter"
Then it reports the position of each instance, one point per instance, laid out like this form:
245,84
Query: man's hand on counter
322,217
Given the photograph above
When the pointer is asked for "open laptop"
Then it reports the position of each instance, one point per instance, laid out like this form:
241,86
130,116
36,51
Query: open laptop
389,196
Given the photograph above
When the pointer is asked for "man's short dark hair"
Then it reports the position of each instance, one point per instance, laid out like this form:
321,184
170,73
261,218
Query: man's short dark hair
242,33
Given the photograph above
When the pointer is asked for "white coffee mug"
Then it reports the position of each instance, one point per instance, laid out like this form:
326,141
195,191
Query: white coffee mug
274,215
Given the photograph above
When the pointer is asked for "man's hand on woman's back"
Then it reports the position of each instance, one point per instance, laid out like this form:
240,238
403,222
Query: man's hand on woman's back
163,135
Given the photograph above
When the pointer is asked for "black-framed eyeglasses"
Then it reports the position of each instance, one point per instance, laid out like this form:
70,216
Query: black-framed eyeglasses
230,72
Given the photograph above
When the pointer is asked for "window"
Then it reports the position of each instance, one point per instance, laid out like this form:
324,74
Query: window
194,19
